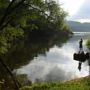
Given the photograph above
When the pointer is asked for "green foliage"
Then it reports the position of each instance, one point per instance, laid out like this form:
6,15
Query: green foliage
1,83
18,17
26,88
35,10
22,79
8,36
88,43
3,6
82,84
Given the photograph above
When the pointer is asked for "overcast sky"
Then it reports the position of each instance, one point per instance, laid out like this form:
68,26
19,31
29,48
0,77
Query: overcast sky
77,9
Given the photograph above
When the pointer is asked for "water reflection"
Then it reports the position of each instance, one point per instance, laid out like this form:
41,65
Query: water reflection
25,52
57,65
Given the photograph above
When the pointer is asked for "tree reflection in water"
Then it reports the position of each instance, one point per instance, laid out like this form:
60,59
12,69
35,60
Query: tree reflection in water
25,51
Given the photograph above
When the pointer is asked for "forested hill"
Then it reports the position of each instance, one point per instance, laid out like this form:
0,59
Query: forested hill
79,27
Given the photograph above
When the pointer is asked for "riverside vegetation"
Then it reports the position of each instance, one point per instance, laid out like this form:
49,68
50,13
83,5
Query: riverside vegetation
18,19
88,43
24,20
77,84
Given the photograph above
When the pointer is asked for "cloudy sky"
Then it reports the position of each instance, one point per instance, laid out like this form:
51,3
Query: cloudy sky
77,9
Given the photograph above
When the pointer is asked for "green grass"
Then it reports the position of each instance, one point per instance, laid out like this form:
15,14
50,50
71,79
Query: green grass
77,84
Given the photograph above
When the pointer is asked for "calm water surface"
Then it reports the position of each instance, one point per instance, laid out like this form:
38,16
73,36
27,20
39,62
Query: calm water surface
57,64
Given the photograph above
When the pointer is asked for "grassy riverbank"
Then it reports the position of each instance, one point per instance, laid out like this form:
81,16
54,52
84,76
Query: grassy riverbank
76,84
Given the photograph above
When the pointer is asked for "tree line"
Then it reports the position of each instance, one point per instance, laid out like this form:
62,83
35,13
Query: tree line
20,17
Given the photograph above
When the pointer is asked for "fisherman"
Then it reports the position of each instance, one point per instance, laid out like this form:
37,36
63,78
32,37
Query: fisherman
81,54
80,44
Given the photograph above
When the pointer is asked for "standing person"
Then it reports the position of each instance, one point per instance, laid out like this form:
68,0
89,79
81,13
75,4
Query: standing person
80,44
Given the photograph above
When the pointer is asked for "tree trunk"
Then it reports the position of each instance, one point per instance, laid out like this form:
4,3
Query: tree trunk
16,83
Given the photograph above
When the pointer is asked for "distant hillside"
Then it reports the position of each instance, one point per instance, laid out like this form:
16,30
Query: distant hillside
79,27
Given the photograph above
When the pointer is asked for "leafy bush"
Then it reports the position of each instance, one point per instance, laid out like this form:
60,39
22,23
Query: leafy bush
88,43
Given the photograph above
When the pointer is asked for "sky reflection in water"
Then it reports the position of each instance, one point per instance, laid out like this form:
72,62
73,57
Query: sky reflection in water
57,65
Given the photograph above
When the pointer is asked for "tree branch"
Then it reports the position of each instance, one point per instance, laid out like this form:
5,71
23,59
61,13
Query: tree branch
8,12
16,83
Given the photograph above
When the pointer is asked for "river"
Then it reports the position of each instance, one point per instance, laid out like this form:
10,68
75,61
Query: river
57,64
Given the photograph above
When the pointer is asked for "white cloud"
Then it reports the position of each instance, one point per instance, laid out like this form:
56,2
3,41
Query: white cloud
72,6
83,20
